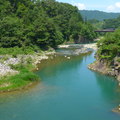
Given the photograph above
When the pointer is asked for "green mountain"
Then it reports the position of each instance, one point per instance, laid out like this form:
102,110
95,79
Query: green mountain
98,15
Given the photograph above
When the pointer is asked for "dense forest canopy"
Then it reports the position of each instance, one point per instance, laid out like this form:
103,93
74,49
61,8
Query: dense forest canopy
40,23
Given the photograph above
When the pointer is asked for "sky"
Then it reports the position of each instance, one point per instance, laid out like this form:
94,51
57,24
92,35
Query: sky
102,5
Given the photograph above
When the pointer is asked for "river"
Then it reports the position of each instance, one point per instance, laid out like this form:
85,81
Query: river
68,91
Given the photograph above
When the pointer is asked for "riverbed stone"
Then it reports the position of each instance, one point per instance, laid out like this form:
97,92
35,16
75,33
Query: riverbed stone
5,66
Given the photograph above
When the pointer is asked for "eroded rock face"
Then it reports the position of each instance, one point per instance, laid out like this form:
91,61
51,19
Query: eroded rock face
99,67
103,67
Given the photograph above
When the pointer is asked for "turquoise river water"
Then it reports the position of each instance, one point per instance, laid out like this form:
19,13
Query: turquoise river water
68,91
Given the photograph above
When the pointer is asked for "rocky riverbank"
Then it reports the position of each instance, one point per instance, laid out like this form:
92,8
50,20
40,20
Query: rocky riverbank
16,71
105,68
77,49
6,61
10,66
112,69
80,46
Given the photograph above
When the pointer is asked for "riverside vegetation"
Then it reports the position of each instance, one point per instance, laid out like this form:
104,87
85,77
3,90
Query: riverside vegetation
17,72
28,27
108,55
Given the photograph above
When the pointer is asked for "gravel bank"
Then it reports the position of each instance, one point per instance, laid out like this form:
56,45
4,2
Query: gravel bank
77,49
7,61
80,46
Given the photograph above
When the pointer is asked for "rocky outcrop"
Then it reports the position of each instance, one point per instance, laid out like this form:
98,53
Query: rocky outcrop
102,66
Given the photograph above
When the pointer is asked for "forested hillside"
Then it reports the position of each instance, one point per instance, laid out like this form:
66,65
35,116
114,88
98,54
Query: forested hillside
98,15
40,23
108,55
106,24
112,23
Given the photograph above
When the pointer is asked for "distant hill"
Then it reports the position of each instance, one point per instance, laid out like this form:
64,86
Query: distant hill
98,15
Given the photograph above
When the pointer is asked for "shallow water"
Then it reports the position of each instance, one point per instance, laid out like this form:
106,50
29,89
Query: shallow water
68,91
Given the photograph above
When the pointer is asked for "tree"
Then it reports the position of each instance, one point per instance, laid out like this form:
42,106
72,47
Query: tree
11,32
40,23
109,47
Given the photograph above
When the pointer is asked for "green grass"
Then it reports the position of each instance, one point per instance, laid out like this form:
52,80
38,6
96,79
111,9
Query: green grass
25,68
18,81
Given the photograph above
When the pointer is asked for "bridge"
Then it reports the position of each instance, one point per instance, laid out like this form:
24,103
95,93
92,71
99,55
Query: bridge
105,30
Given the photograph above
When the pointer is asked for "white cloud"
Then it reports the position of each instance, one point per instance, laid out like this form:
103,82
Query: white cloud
80,6
117,4
114,8
110,8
